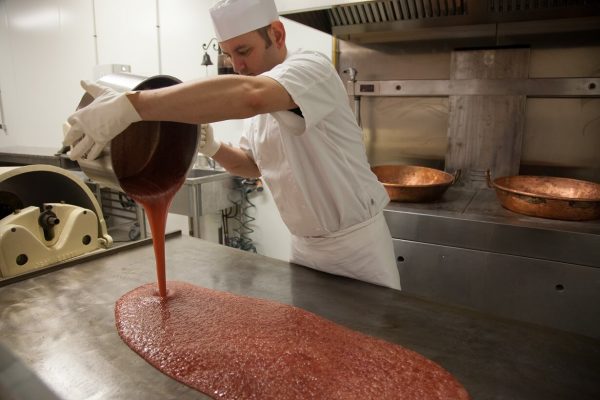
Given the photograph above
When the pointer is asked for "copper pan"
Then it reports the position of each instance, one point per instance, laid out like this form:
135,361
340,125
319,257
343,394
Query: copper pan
548,197
409,183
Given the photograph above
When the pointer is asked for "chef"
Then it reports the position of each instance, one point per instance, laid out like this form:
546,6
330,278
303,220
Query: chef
302,139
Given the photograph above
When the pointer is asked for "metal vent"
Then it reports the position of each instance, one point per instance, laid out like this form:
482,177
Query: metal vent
394,10
397,20
510,6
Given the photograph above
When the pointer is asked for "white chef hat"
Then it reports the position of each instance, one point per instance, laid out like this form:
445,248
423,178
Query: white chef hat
232,18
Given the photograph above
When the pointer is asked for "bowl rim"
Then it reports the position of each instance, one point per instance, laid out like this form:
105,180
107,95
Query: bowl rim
444,174
499,184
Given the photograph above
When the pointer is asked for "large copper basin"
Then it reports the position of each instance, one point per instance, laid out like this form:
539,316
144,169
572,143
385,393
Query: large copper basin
409,183
549,197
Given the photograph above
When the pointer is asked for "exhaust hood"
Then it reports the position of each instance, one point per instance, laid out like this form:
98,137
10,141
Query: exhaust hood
410,20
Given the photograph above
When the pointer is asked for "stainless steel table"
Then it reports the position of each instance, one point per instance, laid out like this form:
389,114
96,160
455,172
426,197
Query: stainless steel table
27,155
61,326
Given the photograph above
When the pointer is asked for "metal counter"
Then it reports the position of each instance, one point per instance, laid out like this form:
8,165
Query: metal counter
61,325
466,250
474,219
27,155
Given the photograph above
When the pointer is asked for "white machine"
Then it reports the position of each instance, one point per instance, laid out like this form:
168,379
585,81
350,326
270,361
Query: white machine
47,216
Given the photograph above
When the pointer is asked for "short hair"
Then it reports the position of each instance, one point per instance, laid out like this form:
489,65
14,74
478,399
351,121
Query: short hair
264,33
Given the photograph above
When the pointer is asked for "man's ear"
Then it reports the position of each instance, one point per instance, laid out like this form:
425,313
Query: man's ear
278,31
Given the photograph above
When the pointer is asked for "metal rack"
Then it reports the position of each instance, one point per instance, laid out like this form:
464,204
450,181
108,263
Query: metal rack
125,219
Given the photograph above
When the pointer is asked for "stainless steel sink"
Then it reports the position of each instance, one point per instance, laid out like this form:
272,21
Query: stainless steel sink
204,191
202,175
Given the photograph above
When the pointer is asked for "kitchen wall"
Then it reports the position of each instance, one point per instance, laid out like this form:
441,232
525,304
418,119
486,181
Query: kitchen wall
48,46
561,136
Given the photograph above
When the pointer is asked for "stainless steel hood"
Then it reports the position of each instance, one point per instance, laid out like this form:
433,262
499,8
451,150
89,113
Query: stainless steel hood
410,20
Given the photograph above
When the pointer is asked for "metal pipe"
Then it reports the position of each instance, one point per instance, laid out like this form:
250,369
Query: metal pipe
158,37
2,120
357,110
95,32
352,72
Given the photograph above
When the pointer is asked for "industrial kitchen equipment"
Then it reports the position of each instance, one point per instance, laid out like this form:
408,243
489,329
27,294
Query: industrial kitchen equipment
48,215
125,220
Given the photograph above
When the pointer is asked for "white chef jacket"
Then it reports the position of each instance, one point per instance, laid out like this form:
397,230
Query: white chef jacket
315,164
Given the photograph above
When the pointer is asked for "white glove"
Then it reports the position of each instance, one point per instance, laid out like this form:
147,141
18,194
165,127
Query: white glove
93,126
208,145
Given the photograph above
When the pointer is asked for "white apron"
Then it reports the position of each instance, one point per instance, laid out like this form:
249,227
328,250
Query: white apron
364,251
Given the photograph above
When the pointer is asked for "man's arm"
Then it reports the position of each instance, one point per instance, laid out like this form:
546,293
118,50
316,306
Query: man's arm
211,100
217,99
199,102
236,161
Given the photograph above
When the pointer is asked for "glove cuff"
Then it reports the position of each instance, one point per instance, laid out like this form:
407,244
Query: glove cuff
211,150
130,113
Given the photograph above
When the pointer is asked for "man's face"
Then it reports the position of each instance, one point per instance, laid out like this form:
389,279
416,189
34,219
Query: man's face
249,55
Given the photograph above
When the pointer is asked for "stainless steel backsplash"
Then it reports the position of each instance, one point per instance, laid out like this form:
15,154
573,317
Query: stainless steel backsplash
561,135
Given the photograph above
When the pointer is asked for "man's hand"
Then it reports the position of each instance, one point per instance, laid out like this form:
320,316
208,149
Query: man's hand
208,145
93,126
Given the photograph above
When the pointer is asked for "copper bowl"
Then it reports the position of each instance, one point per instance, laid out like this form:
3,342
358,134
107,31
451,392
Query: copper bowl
549,197
408,183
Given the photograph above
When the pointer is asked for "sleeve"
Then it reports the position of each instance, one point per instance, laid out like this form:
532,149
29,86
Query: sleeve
313,84
245,140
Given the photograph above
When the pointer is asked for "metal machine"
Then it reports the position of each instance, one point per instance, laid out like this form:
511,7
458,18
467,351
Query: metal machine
47,215
125,219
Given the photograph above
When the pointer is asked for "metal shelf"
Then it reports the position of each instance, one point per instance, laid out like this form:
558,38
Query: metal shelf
474,219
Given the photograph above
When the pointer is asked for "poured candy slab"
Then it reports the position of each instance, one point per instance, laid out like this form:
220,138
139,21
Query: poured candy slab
235,347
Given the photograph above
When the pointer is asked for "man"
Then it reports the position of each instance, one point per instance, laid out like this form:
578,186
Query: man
302,139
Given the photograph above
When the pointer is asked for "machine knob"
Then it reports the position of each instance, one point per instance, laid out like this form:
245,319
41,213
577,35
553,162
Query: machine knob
47,221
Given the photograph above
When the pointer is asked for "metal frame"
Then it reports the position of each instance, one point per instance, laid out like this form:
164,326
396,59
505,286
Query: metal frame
111,206
541,87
